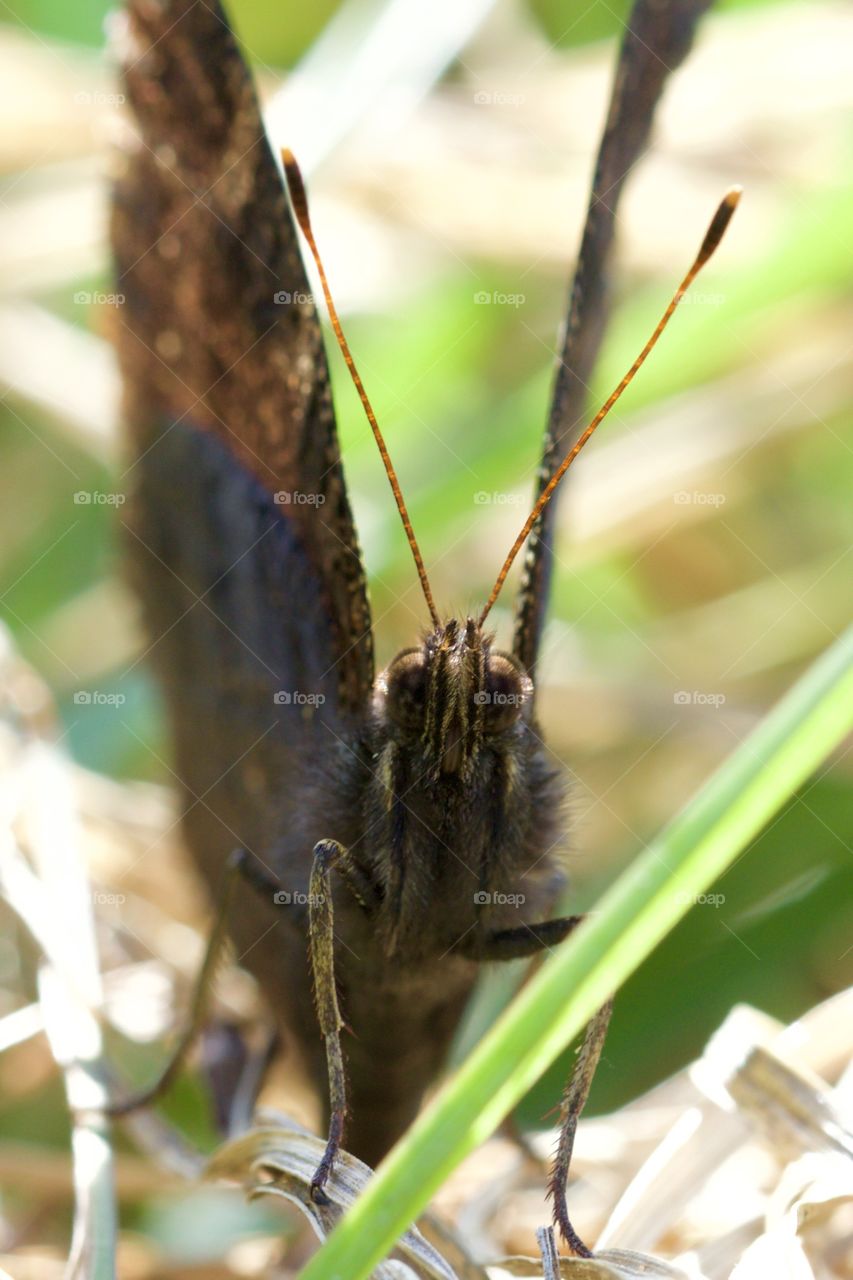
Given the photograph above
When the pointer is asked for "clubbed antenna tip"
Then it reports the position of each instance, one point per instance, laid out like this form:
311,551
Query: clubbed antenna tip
713,236
299,200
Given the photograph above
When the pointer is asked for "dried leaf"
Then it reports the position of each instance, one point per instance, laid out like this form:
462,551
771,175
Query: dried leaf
280,1158
610,1264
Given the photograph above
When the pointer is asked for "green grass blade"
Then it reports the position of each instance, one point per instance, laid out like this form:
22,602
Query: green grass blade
633,916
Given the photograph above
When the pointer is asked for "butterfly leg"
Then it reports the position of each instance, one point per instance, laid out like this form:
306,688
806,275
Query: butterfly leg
520,943
267,886
329,856
526,940
573,1102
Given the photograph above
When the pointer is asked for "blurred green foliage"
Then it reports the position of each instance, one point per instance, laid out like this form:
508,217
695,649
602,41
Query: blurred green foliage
279,38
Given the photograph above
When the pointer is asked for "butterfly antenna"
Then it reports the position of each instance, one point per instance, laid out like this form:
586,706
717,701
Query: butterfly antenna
300,207
713,236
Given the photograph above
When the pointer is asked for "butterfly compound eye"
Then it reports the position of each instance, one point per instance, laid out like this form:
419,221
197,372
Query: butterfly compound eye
406,684
507,691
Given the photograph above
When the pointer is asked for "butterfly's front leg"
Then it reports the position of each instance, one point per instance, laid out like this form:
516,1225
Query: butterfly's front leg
572,1104
520,943
330,856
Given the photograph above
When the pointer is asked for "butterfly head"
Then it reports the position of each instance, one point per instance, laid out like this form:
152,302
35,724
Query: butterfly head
454,695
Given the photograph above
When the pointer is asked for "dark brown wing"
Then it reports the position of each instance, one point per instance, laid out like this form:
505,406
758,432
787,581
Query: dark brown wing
657,38
242,542
227,387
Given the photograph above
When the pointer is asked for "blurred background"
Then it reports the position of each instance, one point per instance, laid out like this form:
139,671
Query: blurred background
704,548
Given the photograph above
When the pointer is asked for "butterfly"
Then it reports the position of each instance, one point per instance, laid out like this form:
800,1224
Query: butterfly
401,826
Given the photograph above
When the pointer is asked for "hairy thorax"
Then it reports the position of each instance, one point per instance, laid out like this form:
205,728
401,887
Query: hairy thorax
463,811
